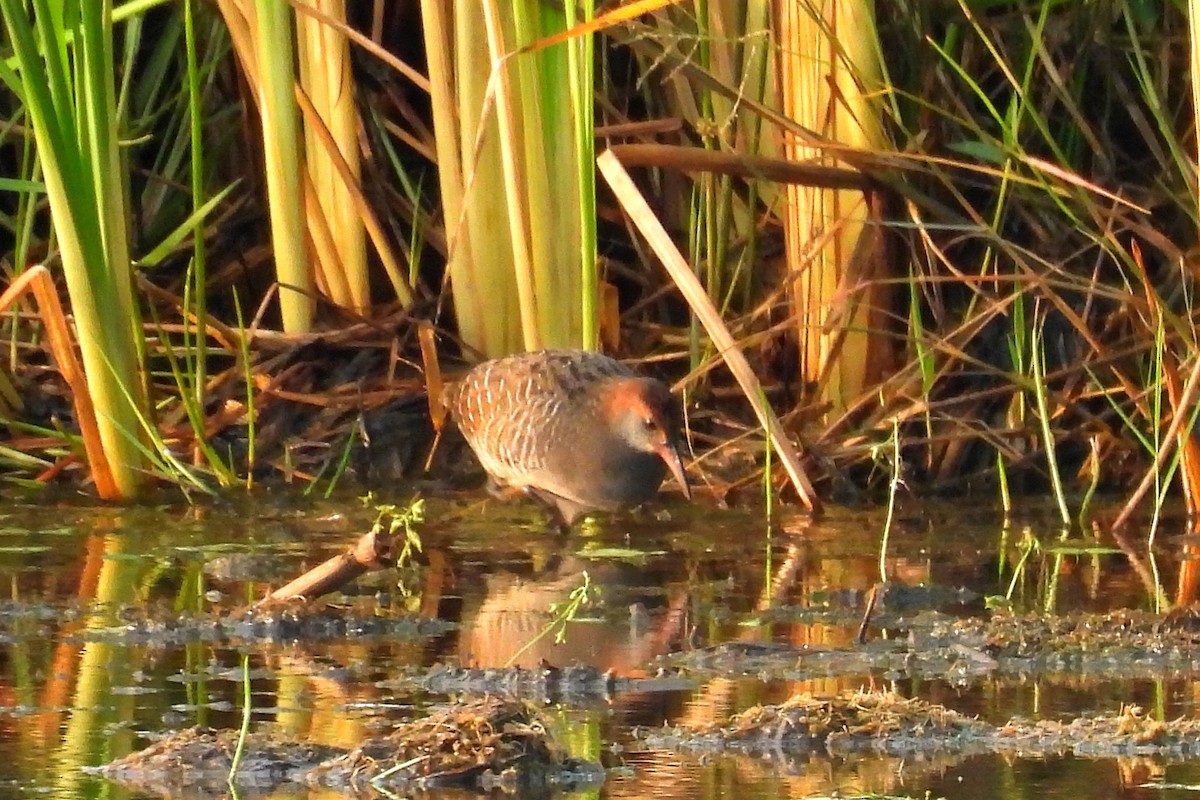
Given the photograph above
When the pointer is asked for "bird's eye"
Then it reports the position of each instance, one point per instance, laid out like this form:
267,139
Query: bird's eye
649,424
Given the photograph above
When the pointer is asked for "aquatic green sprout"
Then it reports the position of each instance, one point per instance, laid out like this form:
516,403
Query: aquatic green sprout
247,711
566,611
1026,547
392,519
561,614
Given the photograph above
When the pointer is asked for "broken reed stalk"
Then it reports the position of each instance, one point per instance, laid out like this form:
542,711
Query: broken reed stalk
779,170
435,389
374,550
37,280
639,211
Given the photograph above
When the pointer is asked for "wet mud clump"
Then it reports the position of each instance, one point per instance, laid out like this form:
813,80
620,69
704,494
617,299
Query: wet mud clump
856,722
883,722
478,746
574,684
481,745
198,761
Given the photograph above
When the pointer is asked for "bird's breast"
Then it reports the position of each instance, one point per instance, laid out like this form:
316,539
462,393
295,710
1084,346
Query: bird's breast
606,477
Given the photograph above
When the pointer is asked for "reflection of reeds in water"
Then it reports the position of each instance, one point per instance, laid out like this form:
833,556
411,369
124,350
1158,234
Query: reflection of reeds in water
664,774
311,707
102,666
796,578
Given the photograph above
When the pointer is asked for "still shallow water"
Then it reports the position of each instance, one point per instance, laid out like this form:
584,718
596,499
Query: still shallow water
93,666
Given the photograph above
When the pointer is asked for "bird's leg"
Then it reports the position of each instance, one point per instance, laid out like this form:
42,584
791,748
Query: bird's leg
557,522
506,492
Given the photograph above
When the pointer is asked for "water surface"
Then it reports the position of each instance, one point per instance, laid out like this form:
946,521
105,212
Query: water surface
108,639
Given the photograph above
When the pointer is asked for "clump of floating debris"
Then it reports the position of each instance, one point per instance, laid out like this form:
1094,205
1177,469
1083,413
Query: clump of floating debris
860,721
480,745
485,744
884,722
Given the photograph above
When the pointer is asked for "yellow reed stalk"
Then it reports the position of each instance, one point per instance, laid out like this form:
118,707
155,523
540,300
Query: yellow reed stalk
353,194
438,30
482,272
271,24
828,65
643,218
329,203
510,170
511,165
324,58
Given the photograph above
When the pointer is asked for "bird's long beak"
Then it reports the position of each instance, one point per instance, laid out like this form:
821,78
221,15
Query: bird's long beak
668,451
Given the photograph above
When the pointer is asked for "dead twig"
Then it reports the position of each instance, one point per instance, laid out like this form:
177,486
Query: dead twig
373,551
37,280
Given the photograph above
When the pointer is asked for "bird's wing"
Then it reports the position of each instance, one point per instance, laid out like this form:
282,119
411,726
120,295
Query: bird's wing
513,411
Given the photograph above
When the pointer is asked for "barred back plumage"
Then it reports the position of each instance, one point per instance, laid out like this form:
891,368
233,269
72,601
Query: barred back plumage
578,430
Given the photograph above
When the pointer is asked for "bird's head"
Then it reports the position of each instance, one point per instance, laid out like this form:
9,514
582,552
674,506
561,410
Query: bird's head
641,412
